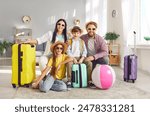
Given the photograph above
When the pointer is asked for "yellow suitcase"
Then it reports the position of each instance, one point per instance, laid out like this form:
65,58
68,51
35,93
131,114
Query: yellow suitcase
23,64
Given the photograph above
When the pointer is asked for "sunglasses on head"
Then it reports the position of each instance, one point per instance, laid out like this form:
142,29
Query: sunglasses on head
61,24
59,48
92,29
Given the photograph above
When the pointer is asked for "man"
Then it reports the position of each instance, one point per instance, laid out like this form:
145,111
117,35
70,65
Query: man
97,50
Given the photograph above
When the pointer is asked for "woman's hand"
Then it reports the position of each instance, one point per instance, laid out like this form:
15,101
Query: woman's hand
31,41
27,41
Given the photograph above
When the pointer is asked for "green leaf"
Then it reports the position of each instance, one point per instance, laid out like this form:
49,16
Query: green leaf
111,36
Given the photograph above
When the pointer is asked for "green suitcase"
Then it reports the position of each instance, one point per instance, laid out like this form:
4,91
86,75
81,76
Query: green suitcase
79,76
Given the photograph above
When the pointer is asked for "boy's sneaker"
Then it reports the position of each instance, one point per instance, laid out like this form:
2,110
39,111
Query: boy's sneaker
91,85
69,85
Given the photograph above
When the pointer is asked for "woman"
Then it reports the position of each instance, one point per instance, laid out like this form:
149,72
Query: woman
59,34
57,68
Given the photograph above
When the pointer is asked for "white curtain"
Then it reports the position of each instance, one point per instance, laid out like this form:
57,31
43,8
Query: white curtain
130,23
129,14
96,10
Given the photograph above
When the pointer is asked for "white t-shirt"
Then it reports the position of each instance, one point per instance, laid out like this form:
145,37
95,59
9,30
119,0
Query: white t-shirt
74,49
47,37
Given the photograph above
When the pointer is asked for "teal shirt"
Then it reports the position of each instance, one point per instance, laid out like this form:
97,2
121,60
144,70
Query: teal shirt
60,38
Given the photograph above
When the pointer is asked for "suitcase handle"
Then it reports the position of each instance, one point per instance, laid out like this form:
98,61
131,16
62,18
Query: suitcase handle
73,76
32,46
76,76
20,65
80,75
21,53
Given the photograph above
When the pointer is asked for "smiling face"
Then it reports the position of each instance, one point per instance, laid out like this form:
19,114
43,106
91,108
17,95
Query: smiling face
76,35
91,29
58,49
61,26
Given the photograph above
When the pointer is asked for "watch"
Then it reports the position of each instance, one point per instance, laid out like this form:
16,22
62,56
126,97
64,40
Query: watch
26,19
114,12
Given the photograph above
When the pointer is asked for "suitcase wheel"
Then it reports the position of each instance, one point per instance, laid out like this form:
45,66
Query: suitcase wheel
14,86
124,79
133,81
27,85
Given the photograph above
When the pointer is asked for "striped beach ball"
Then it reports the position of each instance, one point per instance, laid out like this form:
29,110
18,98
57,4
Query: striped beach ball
103,76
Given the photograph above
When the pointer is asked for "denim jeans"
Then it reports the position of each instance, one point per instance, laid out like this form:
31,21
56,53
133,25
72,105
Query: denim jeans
49,83
91,65
104,60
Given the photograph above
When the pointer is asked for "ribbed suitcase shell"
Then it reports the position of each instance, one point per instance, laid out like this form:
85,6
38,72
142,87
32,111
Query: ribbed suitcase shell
130,67
79,80
23,67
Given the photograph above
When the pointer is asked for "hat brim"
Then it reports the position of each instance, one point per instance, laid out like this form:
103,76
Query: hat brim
58,43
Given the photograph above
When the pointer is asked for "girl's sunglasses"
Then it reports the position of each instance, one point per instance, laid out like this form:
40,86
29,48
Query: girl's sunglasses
59,48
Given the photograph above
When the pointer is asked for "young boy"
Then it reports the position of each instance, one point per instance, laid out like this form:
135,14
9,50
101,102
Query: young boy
76,50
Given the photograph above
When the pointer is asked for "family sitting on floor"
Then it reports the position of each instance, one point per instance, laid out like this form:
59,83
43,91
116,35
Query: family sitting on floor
61,53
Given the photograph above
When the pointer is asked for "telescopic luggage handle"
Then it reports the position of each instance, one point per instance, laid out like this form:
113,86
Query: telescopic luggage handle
134,51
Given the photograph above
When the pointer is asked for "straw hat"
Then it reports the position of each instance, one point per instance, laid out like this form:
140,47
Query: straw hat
59,43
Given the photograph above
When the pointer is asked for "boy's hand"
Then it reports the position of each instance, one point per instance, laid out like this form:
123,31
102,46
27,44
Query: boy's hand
75,61
80,61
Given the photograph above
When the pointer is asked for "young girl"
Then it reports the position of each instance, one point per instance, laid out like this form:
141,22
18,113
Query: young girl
56,66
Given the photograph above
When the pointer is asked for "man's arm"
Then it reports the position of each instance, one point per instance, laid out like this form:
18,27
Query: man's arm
102,50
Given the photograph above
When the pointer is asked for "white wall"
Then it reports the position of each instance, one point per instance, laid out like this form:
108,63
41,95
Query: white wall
144,59
116,24
42,13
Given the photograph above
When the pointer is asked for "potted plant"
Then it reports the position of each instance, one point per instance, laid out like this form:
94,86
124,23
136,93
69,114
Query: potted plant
3,46
111,36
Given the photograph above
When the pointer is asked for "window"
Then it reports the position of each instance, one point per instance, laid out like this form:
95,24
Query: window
144,21
136,18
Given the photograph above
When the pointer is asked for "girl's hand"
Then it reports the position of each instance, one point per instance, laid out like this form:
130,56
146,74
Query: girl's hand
58,67
35,85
